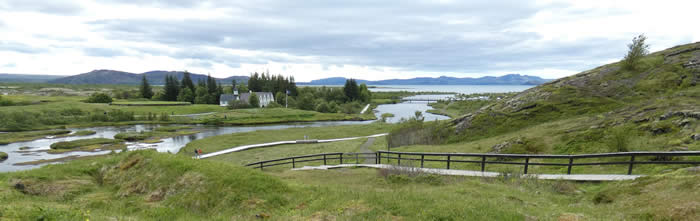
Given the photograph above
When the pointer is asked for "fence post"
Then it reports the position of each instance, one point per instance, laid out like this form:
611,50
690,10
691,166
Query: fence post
261,165
629,172
422,158
341,158
357,158
399,162
379,157
294,164
483,163
571,163
448,161
324,159
527,160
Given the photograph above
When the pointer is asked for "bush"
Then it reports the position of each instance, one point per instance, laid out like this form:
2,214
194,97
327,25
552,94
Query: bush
254,101
99,98
637,50
618,139
237,105
414,131
273,105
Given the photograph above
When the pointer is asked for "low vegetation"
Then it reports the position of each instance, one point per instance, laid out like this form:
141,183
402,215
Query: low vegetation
3,156
216,143
6,138
83,142
156,134
145,185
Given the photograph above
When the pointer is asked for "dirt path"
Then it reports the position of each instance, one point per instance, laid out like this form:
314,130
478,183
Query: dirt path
365,149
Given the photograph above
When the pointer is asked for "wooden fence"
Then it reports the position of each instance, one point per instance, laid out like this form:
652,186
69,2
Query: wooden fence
487,158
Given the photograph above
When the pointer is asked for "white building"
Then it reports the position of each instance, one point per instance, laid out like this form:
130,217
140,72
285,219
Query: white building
225,99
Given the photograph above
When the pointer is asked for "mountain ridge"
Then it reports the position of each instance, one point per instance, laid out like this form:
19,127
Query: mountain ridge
156,77
509,79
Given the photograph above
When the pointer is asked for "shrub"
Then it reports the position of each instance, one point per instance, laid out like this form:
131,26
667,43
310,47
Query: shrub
618,139
602,197
637,49
237,105
254,101
414,131
273,105
99,98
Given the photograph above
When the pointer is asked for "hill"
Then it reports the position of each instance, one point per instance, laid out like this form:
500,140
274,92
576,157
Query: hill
510,79
28,78
120,77
656,106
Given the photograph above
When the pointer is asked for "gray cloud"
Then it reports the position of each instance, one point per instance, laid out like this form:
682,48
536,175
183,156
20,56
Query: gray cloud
20,47
103,52
60,7
468,37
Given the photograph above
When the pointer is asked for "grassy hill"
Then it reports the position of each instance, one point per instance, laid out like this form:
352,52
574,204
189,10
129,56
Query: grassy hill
653,107
657,105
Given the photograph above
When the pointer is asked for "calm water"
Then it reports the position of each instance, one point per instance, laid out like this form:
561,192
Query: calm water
173,145
461,89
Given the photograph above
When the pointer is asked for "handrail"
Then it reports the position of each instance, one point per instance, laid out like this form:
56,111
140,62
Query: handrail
483,161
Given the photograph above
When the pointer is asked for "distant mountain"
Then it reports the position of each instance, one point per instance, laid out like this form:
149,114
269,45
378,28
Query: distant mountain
510,79
120,77
28,78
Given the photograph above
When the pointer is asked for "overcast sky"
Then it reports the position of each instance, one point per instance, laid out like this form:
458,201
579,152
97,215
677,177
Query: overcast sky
311,39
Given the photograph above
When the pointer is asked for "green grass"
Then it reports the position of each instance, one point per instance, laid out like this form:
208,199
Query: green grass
6,138
150,103
83,142
216,143
145,185
3,156
156,134
282,151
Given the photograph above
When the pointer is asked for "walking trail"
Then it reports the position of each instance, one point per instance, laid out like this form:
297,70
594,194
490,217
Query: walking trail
574,177
251,146
365,149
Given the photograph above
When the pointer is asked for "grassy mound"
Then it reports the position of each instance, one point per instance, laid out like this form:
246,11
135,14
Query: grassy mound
139,185
157,134
82,143
3,156
6,138
146,185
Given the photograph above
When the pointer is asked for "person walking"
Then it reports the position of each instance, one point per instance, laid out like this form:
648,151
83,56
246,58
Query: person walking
196,153
200,153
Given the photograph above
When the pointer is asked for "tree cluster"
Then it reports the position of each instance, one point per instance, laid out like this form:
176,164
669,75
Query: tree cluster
205,92
266,82
348,99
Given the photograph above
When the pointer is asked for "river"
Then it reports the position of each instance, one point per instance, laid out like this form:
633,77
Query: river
173,145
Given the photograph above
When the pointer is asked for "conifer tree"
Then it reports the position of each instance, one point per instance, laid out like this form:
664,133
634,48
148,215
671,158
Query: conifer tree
145,89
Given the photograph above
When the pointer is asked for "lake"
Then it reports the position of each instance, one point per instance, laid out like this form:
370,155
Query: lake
461,89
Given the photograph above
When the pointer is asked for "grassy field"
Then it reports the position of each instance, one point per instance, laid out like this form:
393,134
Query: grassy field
57,103
145,185
150,103
54,112
216,143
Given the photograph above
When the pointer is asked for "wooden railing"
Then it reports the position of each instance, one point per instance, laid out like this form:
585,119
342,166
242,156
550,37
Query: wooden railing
486,158
504,158
325,157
